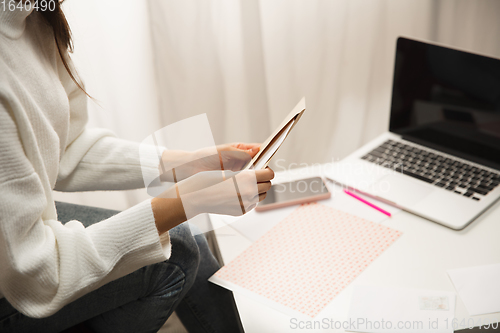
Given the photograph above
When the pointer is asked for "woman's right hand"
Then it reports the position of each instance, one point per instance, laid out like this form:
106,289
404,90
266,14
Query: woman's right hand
235,195
218,192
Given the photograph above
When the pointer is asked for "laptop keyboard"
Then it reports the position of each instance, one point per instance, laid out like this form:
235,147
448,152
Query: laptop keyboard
461,178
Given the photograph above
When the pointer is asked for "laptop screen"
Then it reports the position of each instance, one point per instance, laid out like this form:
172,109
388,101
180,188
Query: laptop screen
448,100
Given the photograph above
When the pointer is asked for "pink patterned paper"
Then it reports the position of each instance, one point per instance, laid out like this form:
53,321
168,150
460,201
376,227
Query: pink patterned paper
309,258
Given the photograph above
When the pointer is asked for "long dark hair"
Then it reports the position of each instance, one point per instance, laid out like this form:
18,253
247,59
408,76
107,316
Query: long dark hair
62,35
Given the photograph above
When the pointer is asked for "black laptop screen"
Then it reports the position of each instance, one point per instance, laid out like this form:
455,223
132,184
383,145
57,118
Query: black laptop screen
448,100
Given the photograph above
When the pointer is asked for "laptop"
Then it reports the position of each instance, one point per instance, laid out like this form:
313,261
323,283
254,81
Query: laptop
440,158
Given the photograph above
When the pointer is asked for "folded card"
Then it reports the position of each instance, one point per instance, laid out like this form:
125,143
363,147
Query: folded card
269,148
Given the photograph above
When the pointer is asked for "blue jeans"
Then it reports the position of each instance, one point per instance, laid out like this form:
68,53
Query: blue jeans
143,300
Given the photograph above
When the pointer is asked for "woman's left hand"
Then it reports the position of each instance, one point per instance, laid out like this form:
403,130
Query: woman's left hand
177,165
234,156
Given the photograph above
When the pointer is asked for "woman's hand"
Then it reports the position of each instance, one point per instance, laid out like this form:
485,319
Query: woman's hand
235,156
178,165
233,196
229,193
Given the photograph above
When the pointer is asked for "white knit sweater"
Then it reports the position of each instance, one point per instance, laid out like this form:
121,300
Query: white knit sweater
44,145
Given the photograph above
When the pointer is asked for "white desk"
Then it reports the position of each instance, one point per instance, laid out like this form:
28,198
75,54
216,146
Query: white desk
418,259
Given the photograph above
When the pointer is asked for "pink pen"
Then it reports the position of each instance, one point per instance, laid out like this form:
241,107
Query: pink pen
368,203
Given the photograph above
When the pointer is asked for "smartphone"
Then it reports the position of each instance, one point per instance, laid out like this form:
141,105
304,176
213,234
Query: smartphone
293,193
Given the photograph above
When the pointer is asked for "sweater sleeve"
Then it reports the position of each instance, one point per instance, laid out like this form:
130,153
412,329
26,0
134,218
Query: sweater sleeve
97,160
45,264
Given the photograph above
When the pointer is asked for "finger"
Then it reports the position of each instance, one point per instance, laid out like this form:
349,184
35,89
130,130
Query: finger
245,146
264,175
235,154
262,196
235,147
250,148
252,152
263,187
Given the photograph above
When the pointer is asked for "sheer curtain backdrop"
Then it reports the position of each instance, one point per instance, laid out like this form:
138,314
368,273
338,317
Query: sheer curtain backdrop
247,62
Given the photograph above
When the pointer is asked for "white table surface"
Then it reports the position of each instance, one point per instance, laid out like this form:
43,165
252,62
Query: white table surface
418,259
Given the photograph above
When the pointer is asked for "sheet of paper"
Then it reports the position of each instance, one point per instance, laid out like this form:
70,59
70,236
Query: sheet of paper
478,287
308,258
387,309
255,224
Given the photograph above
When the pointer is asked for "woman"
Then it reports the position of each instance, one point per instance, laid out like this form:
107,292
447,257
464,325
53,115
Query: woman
124,272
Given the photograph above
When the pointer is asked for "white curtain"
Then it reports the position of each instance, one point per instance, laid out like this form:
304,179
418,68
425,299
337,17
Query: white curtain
247,62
